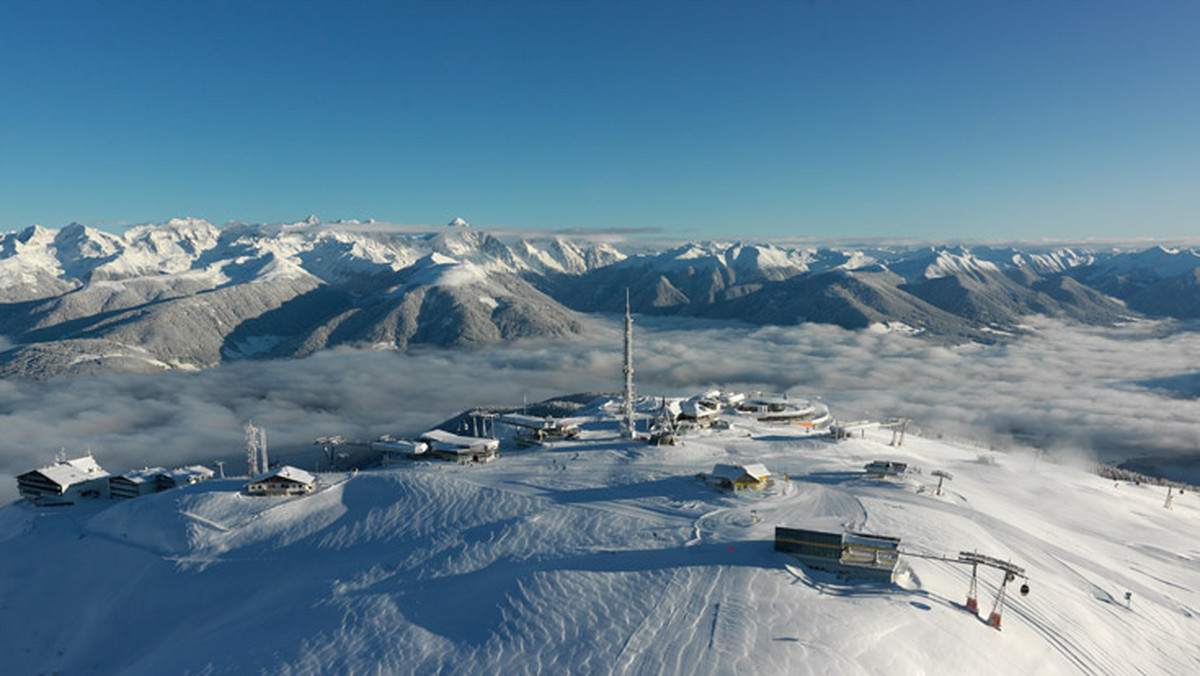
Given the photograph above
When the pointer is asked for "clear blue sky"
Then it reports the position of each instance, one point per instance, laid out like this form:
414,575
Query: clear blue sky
737,118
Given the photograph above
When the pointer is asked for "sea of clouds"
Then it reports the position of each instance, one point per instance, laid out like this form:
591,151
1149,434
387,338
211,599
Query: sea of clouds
1104,393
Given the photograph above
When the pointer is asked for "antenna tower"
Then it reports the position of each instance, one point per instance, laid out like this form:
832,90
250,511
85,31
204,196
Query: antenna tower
628,429
252,448
262,447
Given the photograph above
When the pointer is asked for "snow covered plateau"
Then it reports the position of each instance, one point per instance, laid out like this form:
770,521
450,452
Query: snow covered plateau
601,555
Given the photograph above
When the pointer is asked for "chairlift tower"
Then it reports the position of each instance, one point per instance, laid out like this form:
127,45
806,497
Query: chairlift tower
942,475
1011,572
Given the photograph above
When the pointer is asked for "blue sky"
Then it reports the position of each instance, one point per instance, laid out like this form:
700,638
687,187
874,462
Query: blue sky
737,118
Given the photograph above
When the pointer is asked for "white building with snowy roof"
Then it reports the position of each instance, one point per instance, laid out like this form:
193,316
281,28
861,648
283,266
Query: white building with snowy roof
64,482
184,476
285,480
134,483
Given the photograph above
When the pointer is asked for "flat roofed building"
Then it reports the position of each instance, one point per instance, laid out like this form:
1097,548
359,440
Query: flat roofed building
858,555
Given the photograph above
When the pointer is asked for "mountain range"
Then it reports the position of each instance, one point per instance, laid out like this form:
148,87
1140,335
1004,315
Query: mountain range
187,294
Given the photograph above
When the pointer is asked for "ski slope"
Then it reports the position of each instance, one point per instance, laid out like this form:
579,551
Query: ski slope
601,556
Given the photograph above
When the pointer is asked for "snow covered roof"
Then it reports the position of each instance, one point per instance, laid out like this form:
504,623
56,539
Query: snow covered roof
400,446
141,476
774,399
186,474
734,472
757,470
521,420
76,470
441,440
287,472
697,408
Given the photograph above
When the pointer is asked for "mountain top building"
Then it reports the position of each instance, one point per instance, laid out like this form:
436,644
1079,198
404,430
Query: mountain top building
64,482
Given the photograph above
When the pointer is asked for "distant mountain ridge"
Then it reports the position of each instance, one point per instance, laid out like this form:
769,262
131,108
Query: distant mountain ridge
188,294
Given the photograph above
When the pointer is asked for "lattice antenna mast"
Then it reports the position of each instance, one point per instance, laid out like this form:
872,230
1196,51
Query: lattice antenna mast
628,429
262,447
252,442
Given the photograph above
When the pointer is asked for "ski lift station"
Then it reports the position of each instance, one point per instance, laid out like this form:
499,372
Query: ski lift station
855,555
535,431
449,446
398,450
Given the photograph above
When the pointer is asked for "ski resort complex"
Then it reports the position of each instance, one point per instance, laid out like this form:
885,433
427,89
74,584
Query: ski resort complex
781,338
601,553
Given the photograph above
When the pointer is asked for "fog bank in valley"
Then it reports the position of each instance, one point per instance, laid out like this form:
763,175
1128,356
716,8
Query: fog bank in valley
1107,393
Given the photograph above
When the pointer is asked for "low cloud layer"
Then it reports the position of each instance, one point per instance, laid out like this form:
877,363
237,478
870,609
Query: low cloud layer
1065,389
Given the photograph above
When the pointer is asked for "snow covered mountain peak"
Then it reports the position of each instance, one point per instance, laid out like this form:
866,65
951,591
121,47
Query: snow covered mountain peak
437,269
33,233
1157,261
950,262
